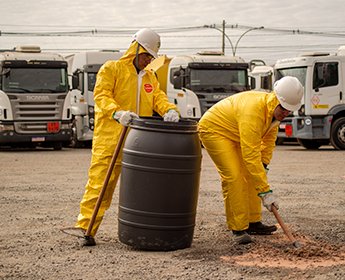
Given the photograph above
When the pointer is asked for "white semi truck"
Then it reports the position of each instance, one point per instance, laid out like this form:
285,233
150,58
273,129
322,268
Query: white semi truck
34,102
261,76
194,83
82,70
321,119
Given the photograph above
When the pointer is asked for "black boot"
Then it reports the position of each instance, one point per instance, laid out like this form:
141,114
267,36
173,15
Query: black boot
260,228
241,237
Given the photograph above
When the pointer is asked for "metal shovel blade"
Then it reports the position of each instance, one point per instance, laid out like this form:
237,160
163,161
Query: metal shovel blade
297,244
78,232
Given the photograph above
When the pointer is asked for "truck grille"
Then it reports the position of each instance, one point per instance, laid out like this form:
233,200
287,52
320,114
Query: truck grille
31,113
207,100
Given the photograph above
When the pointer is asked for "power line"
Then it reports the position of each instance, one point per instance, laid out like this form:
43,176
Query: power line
99,32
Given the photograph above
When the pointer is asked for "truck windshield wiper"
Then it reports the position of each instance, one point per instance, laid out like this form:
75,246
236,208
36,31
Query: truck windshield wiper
18,88
44,90
222,89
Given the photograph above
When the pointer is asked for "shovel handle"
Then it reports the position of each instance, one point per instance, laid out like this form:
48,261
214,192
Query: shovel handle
107,177
285,229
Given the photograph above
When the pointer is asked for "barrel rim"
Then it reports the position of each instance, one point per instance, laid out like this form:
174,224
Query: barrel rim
158,124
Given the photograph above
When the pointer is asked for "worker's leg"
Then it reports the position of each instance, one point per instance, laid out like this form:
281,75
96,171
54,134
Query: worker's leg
253,199
97,174
226,155
255,224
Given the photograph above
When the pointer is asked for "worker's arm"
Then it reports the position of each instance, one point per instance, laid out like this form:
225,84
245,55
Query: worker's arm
161,103
268,145
103,91
250,124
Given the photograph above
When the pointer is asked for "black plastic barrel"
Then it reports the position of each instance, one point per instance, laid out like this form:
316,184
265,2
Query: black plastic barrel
160,175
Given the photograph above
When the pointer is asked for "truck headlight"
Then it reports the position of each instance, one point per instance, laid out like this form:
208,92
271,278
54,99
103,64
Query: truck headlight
6,127
64,126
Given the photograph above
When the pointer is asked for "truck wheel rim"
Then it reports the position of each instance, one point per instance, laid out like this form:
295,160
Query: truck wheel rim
341,134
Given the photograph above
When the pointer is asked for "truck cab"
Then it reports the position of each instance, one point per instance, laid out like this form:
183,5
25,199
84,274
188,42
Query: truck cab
321,118
82,70
261,76
34,101
194,83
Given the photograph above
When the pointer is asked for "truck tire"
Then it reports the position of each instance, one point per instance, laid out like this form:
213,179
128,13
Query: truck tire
57,145
310,144
75,143
280,141
338,134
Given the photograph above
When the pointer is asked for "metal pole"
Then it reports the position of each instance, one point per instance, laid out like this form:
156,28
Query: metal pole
223,45
223,32
224,35
254,28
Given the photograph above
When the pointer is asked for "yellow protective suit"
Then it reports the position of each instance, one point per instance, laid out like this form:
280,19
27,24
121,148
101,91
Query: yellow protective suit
116,89
239,135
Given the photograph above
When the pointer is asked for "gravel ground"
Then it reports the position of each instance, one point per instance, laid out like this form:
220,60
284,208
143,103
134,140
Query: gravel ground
41,190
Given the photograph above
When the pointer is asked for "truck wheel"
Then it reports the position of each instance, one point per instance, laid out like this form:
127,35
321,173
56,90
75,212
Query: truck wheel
309,144
338,134
280,141
57,146
74,138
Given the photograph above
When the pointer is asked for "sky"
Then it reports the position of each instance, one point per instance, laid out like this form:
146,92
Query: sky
321,26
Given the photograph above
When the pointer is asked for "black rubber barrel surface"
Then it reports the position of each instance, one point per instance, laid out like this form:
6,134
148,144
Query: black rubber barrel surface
161,163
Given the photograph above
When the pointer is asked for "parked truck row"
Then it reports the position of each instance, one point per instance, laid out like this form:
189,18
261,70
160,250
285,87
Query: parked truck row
192,82
39,105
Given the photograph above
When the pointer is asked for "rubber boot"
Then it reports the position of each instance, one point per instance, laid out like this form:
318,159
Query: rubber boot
260,229
241,237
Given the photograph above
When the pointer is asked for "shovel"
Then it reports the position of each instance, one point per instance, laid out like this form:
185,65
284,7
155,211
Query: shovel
79,232
287,232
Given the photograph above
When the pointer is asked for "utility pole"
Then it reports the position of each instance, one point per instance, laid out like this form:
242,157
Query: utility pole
223,45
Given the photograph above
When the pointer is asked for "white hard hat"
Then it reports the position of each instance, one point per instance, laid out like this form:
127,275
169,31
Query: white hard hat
289,92
149,40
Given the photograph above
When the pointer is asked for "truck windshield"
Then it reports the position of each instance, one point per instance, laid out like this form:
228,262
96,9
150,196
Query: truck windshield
27,80
299,72
222,80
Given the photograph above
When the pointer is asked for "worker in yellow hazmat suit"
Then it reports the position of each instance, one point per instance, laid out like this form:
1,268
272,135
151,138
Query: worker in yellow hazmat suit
123,91
239,134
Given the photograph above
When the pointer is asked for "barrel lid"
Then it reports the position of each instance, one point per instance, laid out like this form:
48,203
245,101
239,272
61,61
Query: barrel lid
158,124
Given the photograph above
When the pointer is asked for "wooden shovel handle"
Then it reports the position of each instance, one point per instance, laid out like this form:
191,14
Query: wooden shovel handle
285,229
107,177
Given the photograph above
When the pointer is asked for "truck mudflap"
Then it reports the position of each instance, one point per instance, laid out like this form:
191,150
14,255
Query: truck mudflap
311,127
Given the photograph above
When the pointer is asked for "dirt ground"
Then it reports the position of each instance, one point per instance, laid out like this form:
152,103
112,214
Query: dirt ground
41,190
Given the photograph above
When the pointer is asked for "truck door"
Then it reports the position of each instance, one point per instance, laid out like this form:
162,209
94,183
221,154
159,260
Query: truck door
327,87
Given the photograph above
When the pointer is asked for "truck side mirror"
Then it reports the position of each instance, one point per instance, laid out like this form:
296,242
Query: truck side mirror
5,72
177,82
265,82
252,83
177,79
75,81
